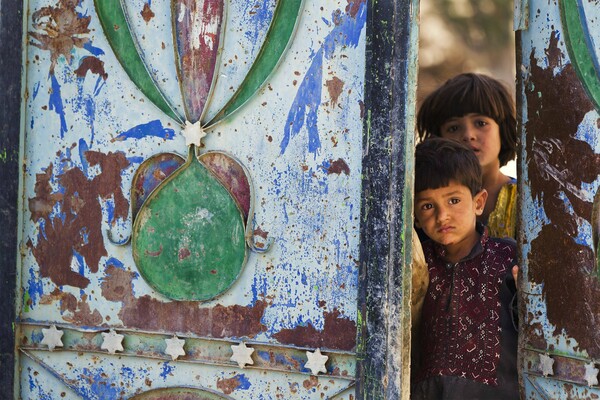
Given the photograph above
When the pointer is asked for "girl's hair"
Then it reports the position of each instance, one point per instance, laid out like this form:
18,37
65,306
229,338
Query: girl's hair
439,161
471,93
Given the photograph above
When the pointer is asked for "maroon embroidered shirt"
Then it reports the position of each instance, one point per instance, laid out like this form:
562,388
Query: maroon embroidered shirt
463,313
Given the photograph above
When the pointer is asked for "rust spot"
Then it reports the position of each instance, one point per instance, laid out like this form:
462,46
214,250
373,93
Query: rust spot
213,271
558,165
91,64
183,253
353,7
43,202
147,13
335,86
311,382
227,386
62,29
338,166
72,310
76,226
148,313
338,333
260,232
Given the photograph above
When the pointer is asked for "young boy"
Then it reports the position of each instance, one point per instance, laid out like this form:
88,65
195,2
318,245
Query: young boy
468,334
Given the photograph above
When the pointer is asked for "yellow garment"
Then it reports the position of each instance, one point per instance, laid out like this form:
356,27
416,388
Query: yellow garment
503,220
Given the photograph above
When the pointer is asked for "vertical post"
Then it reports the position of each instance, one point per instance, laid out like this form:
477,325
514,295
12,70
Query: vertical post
383,370
10,88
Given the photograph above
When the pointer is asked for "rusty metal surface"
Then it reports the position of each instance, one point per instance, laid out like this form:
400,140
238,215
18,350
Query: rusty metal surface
559,178
89,126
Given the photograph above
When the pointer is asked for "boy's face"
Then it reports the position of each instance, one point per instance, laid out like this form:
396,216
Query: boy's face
447,215
481,133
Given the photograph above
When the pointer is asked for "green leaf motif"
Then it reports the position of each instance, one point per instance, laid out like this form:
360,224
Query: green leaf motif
114,23
580,48
285,18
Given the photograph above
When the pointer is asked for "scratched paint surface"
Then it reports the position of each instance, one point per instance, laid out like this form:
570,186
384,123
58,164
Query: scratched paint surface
561,176
89,127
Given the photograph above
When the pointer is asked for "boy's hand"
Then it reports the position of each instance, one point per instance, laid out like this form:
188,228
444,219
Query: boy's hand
515,272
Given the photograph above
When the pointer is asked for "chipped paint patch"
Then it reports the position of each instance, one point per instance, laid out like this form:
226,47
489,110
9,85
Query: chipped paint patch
338,333
558,165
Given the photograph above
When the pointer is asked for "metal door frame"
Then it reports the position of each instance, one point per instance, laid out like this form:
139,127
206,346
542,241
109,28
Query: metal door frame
11,30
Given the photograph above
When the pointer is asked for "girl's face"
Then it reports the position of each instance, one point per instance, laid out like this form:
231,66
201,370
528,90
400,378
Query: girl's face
481,133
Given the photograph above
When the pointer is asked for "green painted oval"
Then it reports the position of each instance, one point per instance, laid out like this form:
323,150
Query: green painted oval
188,237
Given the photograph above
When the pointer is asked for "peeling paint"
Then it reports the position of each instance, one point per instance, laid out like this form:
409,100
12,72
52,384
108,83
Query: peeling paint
338,333
78,227
560,163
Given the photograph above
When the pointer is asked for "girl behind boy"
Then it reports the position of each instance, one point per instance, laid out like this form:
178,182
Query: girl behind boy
479,111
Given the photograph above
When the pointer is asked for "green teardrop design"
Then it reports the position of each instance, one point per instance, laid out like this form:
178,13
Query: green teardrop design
188,237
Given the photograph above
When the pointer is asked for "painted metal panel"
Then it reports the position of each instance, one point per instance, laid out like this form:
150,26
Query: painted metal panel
559,84
108,88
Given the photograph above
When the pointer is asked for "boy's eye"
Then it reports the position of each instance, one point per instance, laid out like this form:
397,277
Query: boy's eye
452,128
454,201
481,123
426,206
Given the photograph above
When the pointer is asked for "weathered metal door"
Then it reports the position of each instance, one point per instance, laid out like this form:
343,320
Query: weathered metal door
559,89
190,198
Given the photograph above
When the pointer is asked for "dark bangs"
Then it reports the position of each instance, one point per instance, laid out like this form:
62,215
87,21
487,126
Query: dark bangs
438,162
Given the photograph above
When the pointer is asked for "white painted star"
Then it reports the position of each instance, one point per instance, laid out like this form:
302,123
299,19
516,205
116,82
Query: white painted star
316,362
546,365
193,133
112,342
52,337
591,374
242,354
175,347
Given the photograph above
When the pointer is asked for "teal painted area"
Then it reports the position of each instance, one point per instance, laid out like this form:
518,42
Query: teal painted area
188,238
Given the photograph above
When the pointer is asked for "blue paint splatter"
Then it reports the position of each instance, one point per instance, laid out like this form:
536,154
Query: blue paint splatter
92,49
80,262
167,370
110,210
36,89
83,147
100,387
55,103
258,17
346,33
115,263
259,288
35,287
135,160
305,107
243,382
153,128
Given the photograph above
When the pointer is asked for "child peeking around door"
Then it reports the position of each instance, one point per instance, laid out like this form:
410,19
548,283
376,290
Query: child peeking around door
468,340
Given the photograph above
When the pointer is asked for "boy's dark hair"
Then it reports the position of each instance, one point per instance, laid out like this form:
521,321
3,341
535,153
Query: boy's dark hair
439,161
471,93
